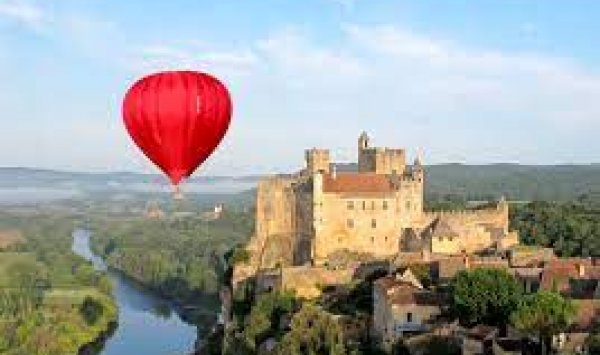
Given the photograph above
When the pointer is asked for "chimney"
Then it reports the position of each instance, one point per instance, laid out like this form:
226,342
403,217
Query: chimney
580,269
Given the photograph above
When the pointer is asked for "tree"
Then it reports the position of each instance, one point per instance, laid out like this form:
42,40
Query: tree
593,344
543,314
265,316
486,296
313,332
91,310
438,345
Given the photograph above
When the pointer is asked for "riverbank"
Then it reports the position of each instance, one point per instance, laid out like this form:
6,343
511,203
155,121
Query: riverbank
52,302
182,259
148,324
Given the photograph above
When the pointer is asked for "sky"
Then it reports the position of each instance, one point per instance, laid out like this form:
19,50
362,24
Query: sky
472,82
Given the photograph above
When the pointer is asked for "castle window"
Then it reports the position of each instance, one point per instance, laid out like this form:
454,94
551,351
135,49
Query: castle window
350,223
450,238
386,239
364,205
372,239
350,205
441,239
409,317
385,205
373,223
408,205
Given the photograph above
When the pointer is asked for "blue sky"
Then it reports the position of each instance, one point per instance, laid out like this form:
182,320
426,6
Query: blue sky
460,81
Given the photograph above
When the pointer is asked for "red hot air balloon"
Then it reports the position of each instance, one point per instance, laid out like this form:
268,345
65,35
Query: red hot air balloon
177,118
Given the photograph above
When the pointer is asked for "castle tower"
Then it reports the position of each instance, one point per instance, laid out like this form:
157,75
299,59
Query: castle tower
376,160
317,160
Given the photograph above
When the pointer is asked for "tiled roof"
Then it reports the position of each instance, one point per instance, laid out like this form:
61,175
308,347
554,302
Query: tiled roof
443,229
400,292
557,277
564,275
449,266
588,312
529,272
408,296
493,263
482,332
356,182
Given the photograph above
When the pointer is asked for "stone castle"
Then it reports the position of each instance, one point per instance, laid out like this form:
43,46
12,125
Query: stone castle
373,208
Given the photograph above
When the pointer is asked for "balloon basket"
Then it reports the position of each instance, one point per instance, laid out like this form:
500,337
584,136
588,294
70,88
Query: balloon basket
177,194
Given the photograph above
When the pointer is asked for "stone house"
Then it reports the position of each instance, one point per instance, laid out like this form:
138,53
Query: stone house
574,277
401,306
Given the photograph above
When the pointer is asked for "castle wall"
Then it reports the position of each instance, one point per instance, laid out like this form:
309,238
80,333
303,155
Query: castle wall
471,239
364,222
494,217
371,229
303,248
307,282
275,222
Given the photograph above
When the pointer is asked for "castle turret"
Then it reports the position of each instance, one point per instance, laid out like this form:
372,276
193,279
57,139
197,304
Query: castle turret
417,169
363,142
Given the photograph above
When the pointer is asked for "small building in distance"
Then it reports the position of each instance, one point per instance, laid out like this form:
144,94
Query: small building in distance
214,214
153,210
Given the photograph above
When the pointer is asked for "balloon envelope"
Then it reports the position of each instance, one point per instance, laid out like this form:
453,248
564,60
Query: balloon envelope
177,119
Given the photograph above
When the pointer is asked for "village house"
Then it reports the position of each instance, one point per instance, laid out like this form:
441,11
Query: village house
402,306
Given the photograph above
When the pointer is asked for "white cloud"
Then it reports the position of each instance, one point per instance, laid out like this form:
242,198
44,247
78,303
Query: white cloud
455,102
291,92
24,12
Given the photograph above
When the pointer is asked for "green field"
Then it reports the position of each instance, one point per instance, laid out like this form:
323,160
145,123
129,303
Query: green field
10,261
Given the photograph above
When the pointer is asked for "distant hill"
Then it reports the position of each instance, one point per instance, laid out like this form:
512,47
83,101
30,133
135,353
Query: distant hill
472,182
10,176
515,182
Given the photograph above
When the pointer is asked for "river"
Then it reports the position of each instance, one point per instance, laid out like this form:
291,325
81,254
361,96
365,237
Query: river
148,324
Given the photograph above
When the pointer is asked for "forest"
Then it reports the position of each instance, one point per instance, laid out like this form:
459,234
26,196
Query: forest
181,258
51,301
570,228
